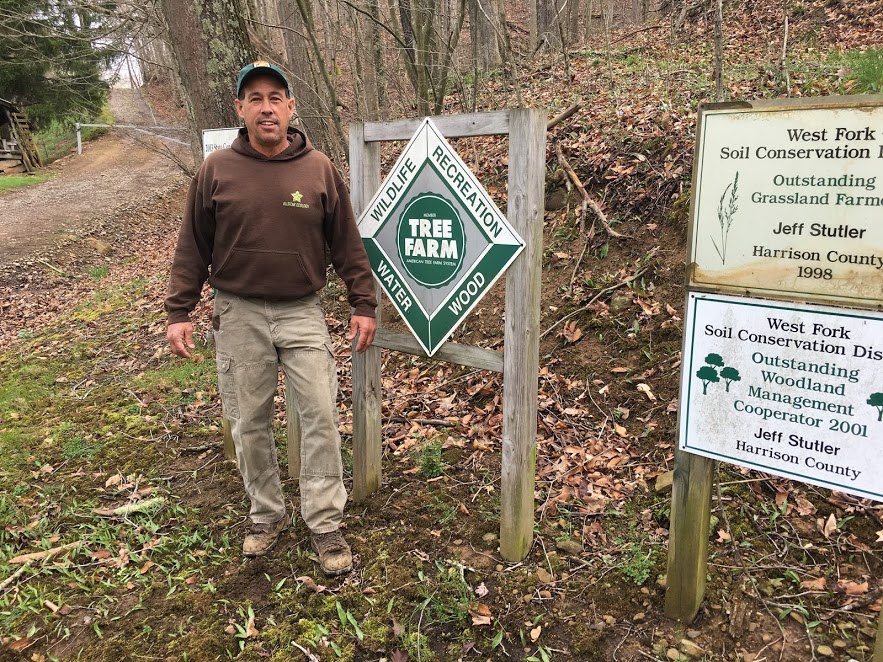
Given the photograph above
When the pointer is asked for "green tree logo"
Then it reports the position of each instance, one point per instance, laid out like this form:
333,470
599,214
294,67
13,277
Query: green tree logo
714,369
708,375
730,375
876,400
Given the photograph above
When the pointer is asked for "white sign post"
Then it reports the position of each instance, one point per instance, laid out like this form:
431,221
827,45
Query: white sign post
786,204
215,139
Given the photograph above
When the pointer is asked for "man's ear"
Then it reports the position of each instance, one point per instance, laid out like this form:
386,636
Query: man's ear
238,105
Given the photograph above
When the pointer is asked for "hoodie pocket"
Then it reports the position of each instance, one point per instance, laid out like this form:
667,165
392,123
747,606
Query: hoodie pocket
266,273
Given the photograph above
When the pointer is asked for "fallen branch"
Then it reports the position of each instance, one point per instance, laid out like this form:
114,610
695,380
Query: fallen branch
6,582
640,272
864,601
128,509
45,554
560,117
586,197
421,421
51,266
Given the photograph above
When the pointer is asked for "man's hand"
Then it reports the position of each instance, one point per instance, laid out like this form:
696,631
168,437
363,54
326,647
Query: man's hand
364,328
180,336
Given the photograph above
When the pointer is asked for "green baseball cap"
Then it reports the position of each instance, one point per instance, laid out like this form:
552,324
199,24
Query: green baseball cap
257,68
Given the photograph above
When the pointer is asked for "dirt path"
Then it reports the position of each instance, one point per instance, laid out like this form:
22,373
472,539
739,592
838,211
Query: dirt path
115,170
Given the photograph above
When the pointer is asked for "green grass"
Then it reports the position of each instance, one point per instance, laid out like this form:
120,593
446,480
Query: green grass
9,182
866,68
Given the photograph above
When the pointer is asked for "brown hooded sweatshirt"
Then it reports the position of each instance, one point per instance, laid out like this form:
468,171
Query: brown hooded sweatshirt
262,225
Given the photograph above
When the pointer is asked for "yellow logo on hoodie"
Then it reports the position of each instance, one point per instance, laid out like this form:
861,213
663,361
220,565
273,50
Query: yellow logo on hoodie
296,198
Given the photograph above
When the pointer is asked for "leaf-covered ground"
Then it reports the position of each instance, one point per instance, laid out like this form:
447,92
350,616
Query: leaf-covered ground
121,521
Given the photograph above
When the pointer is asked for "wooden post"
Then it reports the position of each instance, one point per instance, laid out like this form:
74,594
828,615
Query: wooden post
688,540
294,432
367,396
878,647
229,445
527,150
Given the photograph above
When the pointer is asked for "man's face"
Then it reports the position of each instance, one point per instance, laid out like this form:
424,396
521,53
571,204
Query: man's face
265,110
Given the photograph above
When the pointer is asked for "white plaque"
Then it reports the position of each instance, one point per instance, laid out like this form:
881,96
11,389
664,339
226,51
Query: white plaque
788,200
790,389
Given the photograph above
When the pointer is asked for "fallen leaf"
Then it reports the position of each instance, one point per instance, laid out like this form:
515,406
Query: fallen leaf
723,536
829,526
147,566
311,584
643,388
571,332
619,369
804,506
544,576
621,431
672,407
535,633
879,536
397,628
19,645
481,614
250,629
481,590
398,656
819,584
852,588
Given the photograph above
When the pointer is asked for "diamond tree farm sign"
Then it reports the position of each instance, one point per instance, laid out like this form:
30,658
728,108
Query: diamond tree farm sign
791,389
436,240
788,200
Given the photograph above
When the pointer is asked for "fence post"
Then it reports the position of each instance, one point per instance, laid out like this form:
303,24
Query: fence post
79,140
688,540
367,396
527,149
878,647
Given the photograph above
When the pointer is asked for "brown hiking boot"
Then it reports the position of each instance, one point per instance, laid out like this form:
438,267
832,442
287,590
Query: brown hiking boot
335,557
261,537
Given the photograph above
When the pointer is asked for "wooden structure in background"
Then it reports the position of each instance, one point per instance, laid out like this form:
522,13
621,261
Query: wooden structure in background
17,148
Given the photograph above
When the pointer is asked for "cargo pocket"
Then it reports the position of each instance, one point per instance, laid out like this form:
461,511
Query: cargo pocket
227,387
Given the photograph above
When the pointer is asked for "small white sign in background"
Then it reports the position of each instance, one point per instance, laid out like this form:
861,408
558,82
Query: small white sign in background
215,139
791,389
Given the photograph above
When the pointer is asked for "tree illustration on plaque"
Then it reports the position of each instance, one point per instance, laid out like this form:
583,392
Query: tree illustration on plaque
876,400
715,369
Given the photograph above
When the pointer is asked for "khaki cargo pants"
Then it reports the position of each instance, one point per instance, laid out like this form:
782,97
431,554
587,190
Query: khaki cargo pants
253,337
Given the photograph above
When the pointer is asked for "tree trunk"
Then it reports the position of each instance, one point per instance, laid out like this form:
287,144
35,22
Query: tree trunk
485,24
310,102
377,73
549,22
718,51
210,42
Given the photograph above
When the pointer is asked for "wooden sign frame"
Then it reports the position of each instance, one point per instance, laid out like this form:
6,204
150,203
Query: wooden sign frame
519,362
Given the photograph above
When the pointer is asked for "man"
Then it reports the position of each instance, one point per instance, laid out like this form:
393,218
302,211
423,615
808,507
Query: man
261,214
